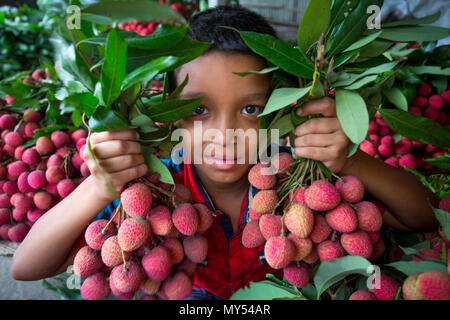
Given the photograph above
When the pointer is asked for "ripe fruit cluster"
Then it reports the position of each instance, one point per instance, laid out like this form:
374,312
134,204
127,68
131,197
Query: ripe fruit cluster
399,151
319,222
151,245
33,179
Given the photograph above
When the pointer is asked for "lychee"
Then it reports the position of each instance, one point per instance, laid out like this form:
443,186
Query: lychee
5,201
5,214
36,179
87,261
429,253
270,225
18,232
185,219
424,89
264,201
136,200
160,220
150,287
386,289
187,266
127,279
78,134
43,200
322,196
182,194
59,139
30,156
299,220
297,195
351,188
362,295
133,233
44,145
157,264
13,139
22,183
330,250
34,214
434,285
175,249
261,179
403,146
205,217
178,286
409,288
111,253
408,160
16,168
95,287
296,275
23,203
94,235
8,122
282,163
369,217
342,218
251,235
321,229
65,187
279,252
195,248
54,174
436,102
303,247
444,204
119,294
10,187
357,244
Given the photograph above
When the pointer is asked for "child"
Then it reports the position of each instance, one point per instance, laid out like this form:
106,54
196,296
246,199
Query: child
230,102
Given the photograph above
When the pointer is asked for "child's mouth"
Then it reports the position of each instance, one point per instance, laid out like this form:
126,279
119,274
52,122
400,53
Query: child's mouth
222,163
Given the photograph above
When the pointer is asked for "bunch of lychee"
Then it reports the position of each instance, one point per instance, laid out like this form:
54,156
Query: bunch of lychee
149,248
33,178
383,144
317,222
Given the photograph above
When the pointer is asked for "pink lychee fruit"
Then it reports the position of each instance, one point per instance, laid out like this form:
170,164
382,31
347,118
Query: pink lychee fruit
87,261
95,236
251,235
18,232
34,214
330,250
409,287
296,275
260,178
385,287
8,122
44,145
150,287
95,287
16,168
429,253
421,102
136,200
369,217
321,229
424,89
54,174
205,217
368,147
13,139
59,139
112,254
22,183
432,114
299,219
175,249
444,204
351,188
357,244
322,196
43,200
160,220
195,248
297,195
185,219
133,233
264,201
270,225
343,218
127,279
362,295
178,286
157,264
385,151
436,102
434,285
282,163
302,247
408,160
182,194
279,252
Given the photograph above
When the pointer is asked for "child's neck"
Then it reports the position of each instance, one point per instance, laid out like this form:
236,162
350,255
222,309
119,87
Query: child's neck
226,197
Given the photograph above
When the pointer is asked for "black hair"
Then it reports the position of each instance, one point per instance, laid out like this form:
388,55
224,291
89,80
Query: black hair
205,26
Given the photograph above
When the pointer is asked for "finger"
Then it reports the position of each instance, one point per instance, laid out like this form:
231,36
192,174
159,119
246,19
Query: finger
98,137
121,163
325,106
318,125
115,148
130,173
313,153
320,140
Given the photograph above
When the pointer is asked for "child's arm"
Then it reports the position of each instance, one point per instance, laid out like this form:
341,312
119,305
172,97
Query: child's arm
49,248
407,200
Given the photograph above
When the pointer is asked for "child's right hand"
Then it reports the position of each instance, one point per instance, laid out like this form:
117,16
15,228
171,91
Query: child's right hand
119,158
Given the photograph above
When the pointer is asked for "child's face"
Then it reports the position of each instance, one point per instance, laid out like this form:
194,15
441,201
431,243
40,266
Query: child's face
230,102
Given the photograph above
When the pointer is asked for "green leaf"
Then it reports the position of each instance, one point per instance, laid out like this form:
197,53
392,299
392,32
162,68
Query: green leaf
144,123
425,20
113,69
396,97
440,83
352,27
165,36
263,290
416,33
331,272
105,119
84,102
444,220
346,79
442,162
363,42
148,71
353,115
416,128
172,110
284,125
338,10
362,82
431,70
411,267
283,97
156,165
264,71
314,22
179,89
280,53
127,10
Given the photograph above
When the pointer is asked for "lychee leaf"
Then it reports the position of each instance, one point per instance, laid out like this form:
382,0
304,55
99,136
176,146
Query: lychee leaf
411,267
315,21
331,272
444,219
263,290
283,97
442,162
156,165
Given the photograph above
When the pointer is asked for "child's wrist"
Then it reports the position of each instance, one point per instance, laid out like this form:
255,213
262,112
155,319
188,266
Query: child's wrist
93,188
349,167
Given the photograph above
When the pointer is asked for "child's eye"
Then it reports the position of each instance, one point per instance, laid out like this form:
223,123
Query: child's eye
201,110
252,110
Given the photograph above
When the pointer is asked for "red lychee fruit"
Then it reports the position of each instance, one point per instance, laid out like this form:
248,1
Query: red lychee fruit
44,145
351,188
279,252
119,294
150,287
13,139
299,220
409,288
187,266
408,160
31,156
264,201
182,194
175,249
342,218
424,89
270,225
65,187
127,279
205,217
10,188
362,295
185,219
321,229
16,168
357,243
260,177
251,235
43,200
54,174
330,250
303,247
296,275
178,286
160,219
36,179
136,200
430,253
5,214
444,204
111,253
34,214
436,102
95,287
368,147
18,232
95,237
195,248
22,183
386,288
157,264
59,139
87,261
282,163
434,285
8,122
78,134
133,233
297,195
322,196
369,217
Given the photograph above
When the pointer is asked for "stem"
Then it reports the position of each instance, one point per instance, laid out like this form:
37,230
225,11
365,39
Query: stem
112,217
161,190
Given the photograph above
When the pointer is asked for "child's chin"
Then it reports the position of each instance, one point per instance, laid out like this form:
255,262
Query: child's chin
226,173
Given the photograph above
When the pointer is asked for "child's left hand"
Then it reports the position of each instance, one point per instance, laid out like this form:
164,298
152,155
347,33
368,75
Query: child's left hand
322,139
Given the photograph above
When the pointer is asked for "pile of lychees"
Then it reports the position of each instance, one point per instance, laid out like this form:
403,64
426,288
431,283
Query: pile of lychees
151,245
384,145
319,222
35,178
